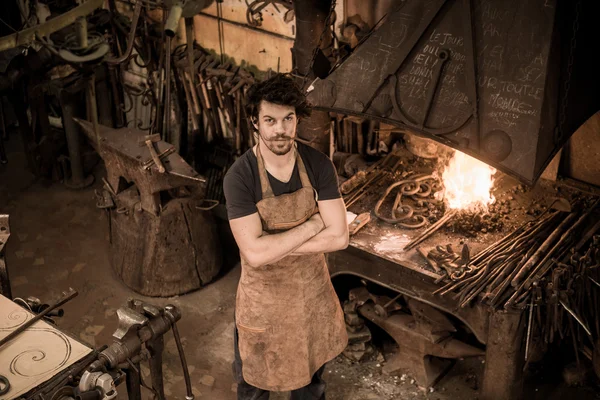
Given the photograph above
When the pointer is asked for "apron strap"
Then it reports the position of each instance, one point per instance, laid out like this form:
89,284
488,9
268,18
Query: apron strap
265,185
267,191
302,171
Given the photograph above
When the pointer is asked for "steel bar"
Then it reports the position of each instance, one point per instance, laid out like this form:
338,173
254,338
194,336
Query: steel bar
539,271
583,325
430,231
67,296
544,248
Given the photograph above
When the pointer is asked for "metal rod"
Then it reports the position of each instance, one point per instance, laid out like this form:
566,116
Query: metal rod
131,39
529,329
531,262
583,325
429,231
66,297
165,134
186,372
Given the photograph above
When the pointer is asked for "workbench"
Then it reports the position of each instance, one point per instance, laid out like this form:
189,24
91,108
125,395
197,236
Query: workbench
375,253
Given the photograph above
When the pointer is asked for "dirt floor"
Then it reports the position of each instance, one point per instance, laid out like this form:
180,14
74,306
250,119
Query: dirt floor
59,240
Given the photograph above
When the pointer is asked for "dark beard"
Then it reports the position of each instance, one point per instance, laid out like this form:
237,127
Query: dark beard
278,146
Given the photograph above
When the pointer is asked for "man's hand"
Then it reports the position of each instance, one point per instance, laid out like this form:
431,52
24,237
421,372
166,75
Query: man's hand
258,249
334,236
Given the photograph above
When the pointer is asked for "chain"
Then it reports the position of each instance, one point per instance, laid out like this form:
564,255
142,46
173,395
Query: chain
563,106
318,46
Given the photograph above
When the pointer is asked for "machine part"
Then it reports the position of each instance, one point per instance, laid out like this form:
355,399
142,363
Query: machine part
27,36
5,289
497,145
464,105
416,351
182,9
140,324
71,294
101,381
129,321
4,385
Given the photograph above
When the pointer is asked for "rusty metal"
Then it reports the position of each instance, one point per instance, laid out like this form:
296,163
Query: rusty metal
131,39
430,231
161,245
418,339
125,159
462,73
410,217
503,364
27,36
5,288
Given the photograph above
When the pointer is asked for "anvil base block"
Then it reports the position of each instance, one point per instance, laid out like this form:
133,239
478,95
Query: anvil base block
170,254
427,370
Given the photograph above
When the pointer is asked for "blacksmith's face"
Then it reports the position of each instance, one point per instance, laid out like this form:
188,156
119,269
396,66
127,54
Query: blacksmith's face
276,126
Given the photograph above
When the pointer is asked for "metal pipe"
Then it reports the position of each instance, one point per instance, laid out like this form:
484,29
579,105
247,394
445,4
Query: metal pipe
167,111
173,20
311,28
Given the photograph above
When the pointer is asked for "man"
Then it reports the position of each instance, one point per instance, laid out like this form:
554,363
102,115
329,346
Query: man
285,212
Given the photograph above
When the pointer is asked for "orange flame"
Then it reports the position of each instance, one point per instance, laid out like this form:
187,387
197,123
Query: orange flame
468,183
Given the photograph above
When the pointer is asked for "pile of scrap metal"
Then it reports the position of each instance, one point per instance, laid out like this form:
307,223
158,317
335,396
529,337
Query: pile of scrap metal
95,374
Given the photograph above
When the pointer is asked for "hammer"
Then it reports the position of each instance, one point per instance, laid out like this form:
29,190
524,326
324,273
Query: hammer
148,140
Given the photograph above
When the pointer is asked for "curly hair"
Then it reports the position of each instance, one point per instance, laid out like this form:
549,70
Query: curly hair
280,89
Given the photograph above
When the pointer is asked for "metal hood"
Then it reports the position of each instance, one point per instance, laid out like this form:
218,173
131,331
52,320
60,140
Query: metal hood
506,81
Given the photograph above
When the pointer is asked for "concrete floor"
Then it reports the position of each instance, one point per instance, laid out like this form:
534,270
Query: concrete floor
59,240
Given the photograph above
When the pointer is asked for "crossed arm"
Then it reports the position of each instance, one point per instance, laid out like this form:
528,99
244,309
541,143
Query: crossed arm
325,232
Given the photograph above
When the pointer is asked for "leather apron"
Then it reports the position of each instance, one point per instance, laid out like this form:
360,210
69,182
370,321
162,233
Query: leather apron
289,318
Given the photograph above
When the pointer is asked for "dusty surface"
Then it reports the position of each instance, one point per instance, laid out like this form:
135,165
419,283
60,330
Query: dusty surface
59,240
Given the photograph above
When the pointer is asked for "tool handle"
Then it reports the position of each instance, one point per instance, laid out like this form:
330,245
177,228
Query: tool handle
159,164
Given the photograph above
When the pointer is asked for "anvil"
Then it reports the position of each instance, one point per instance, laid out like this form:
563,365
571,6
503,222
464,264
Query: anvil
125,158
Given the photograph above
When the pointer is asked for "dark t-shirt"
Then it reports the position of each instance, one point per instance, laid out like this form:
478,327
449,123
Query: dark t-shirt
242,189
